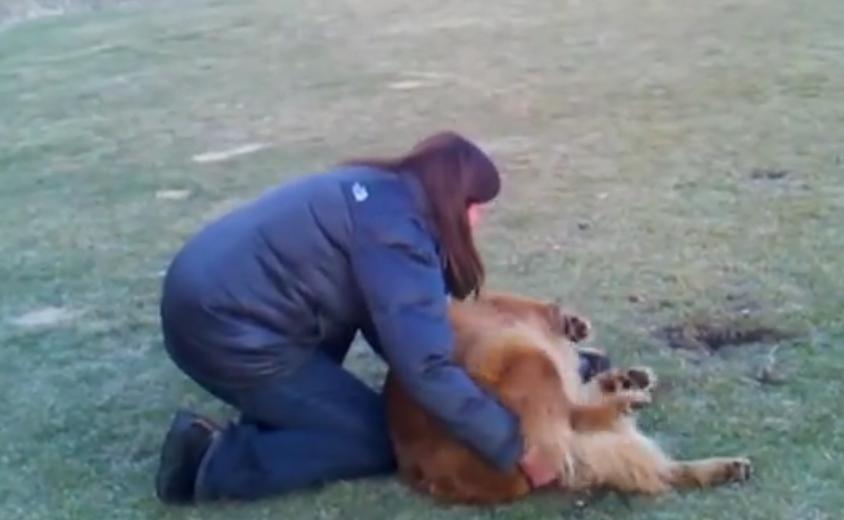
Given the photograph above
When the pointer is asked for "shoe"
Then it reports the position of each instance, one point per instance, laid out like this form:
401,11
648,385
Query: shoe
184,447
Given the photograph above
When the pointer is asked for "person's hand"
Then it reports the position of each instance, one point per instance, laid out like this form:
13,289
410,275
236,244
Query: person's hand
538,471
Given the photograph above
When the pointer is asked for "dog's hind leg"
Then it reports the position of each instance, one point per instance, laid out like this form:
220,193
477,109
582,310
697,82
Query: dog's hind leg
709,472
623,460
629,462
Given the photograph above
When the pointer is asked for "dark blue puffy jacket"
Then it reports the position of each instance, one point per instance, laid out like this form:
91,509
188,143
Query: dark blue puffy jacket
306,266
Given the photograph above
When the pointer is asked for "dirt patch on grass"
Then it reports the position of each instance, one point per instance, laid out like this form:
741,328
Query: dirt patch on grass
714,334
769,174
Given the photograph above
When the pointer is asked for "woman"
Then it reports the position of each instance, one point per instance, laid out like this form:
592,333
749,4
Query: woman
260,309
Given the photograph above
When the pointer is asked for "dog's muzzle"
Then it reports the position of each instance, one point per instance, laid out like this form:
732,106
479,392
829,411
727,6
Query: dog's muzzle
592,363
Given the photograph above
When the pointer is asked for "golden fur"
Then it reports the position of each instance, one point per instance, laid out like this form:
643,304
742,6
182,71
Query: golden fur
523,351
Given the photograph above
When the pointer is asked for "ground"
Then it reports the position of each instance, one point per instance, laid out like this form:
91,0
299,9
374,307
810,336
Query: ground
666,163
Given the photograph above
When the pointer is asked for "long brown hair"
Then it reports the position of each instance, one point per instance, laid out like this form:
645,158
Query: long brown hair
454,174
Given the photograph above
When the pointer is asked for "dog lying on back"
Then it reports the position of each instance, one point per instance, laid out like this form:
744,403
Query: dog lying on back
523,351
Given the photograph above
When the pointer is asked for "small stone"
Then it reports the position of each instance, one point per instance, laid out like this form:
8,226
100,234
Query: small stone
768,375
172,194
224,155
405,85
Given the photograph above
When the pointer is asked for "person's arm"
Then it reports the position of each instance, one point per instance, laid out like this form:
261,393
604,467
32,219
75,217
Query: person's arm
402,283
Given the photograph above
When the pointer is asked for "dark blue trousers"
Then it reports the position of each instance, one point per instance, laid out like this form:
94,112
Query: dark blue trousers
300,430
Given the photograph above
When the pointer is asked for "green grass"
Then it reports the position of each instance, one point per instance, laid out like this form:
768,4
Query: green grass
628,132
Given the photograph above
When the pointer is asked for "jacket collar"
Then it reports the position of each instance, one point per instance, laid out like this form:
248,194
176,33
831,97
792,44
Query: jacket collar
423,208
418,195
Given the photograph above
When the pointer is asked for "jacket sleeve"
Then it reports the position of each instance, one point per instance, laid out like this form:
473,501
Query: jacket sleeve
400,276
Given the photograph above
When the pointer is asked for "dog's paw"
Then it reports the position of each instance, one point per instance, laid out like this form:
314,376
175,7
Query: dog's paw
575,328
632,400
639,398
628,379
642,378
737,470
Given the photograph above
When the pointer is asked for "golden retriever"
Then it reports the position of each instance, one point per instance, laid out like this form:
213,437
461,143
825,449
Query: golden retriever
523,351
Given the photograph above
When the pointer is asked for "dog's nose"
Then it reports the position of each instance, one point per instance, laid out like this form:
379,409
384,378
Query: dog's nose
601,363
592,363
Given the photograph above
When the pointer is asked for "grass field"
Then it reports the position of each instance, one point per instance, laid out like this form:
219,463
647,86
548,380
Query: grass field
667,163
